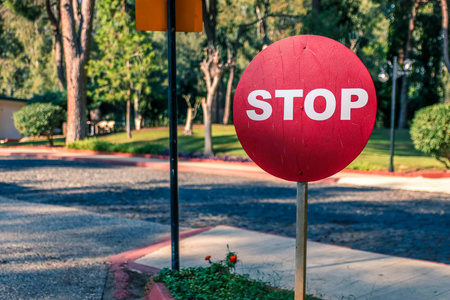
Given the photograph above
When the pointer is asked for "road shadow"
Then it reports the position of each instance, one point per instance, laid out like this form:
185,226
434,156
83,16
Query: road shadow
396,222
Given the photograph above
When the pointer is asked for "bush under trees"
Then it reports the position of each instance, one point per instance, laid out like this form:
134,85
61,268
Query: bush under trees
39,119
95,144
430,131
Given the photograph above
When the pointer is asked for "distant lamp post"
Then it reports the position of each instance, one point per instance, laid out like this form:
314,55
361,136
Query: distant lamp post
383,77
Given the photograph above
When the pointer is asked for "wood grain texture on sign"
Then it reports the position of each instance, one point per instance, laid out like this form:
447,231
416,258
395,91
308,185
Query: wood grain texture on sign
290,141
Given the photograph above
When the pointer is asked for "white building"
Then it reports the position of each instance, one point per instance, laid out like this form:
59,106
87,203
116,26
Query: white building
8,106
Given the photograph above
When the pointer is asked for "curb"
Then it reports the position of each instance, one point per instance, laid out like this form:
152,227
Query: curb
424,174
158,291
124,154
126,260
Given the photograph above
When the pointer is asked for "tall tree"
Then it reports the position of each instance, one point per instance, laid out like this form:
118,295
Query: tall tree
54,15
444,10
123,61
428,88
227,108
414,33
26,64
221,38
212,68
403,118
332,18
253,25
76,24
32,11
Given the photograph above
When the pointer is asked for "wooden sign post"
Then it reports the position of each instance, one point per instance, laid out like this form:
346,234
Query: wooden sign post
303,110
300,240
171,16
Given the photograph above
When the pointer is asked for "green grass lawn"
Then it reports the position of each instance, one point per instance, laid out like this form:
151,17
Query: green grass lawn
225,140
374,156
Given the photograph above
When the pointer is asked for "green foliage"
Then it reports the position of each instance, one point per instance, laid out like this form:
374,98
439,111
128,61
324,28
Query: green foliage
95,144
430,131
336,19
54,97
122,59
39,119
25,8
381,27
27,66
425,80
218,281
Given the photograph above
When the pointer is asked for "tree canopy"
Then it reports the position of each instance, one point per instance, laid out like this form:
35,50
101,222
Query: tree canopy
129,65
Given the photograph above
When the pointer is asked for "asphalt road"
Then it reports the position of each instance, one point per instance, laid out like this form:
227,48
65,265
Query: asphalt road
394,222
55,252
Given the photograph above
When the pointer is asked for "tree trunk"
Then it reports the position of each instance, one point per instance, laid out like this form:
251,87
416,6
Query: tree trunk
215,105
137,115
403,118
59,61
76,42
209,15
55,21
189,121
128,118
208,124
226,114
444,8
128,110
50,139
213,71
76,100
191,113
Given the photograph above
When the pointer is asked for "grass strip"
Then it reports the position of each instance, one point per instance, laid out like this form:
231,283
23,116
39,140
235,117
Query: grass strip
375,156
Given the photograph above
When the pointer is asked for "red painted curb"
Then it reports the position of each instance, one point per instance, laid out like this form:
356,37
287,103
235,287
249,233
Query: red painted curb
425,174
158,291
126,260
137,253
123,154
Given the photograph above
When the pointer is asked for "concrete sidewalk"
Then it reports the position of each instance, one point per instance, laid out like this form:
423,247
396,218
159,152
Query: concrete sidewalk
429,182
332,272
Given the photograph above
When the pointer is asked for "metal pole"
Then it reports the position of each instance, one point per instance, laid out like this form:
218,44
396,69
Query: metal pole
174,218
300,246
394,84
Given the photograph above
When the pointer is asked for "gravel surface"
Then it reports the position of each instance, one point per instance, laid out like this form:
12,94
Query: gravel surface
54,252
394,222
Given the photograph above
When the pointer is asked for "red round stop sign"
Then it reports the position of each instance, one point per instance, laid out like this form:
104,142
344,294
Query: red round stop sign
304,108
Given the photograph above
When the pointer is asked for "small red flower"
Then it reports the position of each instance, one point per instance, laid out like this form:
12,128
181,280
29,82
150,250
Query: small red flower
233,259
208,257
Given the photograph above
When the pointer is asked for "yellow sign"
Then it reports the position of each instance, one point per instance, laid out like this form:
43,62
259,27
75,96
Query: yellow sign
151,15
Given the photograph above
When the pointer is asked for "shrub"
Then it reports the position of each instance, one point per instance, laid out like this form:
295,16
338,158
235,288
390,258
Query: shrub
39,119
219,281
430,131
103,146
93,144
